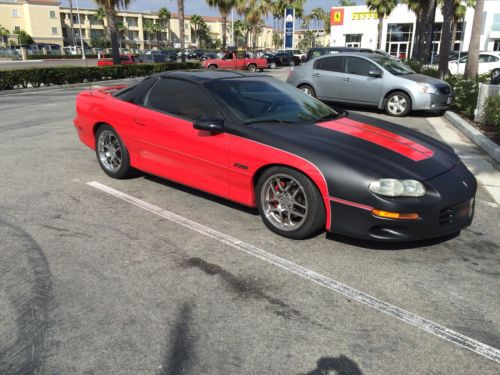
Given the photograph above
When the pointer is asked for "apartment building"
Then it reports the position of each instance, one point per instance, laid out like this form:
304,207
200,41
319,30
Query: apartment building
48,22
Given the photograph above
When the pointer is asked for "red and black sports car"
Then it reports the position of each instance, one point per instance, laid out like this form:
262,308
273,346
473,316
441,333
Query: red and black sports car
261,142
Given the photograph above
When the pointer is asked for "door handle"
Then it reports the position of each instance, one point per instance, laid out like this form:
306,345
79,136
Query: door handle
347,80
316,75
139,122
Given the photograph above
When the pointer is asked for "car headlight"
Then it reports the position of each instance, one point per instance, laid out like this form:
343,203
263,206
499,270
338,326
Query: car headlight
426,88
397,188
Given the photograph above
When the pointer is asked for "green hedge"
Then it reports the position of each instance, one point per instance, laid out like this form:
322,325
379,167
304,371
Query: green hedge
491,111
36,77
59,57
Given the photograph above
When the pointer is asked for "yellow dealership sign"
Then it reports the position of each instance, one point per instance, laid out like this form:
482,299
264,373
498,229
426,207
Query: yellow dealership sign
361,16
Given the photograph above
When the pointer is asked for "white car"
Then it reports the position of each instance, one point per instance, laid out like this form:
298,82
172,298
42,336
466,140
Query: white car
488,62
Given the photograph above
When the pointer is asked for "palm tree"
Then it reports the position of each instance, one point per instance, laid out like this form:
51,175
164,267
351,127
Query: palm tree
473,57
164,16
110,7
428,27
458,15
196,21
120,28
101,15
444,49
254,11
224,7
180,11
148,27
318,15
3,34
346,3
383,8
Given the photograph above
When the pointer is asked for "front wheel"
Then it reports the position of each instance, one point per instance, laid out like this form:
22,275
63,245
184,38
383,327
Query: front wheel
272,65
289,203
212,67
307,90
112,154
398,104
292,63
252,68
495,73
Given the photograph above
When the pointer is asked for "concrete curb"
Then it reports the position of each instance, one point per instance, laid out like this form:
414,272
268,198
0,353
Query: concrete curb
485,144
73,85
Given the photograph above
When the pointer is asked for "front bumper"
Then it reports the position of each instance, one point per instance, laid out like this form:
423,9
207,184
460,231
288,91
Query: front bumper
447,208
429,102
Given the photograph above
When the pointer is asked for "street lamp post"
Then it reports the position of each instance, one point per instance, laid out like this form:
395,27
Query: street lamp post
80,27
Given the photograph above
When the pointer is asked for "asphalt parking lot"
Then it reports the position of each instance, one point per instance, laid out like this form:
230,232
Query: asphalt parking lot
144,276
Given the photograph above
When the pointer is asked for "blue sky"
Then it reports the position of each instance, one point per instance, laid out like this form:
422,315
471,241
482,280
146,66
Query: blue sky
196,6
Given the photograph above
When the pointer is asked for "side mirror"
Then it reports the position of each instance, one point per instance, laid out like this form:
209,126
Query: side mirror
374,74
212,125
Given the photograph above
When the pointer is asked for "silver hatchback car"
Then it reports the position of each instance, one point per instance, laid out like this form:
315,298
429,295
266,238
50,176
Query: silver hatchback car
371,79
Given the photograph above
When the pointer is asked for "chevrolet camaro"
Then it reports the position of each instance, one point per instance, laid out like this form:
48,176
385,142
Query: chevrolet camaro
262,143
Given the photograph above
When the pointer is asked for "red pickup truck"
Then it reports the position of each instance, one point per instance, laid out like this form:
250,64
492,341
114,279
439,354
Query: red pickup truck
233,60
125,60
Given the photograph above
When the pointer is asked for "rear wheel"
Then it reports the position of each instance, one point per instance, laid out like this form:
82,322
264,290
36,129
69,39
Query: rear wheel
212,67
308,90
272,65
289,203
292,63
112,154
252,68
495,73
398,104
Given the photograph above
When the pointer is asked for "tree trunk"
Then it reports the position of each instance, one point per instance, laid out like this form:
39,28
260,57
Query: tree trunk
380,24
224,26
416,41
115,52
429,22
180,10
444,50
471,66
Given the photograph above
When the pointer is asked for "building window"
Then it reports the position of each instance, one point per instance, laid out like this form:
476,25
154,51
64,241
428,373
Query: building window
52,14
132,21
496,44
398,42
54,31
496,23
15,13
17,28
353,40
457,43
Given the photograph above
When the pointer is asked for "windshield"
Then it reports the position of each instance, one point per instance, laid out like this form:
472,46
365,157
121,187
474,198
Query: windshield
253,100
393,66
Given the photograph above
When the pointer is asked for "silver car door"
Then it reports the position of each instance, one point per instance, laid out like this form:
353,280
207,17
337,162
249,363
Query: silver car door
358,86
327,77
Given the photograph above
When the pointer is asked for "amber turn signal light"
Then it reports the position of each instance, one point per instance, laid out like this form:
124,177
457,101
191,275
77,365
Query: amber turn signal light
394,215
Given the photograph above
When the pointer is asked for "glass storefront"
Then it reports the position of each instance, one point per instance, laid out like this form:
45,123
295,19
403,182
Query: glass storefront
398,42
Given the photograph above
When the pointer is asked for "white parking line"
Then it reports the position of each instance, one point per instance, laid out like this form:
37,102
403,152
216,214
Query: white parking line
354,294
489,204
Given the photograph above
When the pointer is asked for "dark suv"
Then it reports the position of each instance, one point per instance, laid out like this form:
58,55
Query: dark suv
320,51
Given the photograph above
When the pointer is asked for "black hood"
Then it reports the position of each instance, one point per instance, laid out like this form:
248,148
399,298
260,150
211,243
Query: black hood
339,155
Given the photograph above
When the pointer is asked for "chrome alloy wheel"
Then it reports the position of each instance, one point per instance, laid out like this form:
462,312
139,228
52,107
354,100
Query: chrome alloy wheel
397,104
306,90
284,202
110,151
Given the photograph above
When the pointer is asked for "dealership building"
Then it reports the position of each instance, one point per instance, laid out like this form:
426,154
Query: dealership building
356,26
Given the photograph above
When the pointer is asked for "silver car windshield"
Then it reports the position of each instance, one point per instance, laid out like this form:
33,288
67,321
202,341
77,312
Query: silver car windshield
392,66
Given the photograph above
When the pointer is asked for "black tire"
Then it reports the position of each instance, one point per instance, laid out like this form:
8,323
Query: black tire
124,170
252,68
292,63
314,219
212,67
495,73
390,107
272,65
308,90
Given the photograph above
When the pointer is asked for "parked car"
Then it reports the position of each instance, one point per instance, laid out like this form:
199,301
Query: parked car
170,54
124,60
371,79
259,142
209,55
321,51
294,52
152,58
281,59
236,60
196,54
489,62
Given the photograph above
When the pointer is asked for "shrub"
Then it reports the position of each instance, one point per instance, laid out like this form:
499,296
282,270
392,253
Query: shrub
36,77
414,65
59,57
465,92
491,111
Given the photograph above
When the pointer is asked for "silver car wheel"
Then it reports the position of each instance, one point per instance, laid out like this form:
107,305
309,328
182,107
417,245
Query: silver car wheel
284,202
397,104
272,65
110,151
306,90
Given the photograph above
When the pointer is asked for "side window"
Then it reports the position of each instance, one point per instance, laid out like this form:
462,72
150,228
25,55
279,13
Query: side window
358,66
316,53
228,56
331,64
487,58
180,98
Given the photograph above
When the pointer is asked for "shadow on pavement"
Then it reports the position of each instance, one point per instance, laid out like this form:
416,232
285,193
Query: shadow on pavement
341,365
